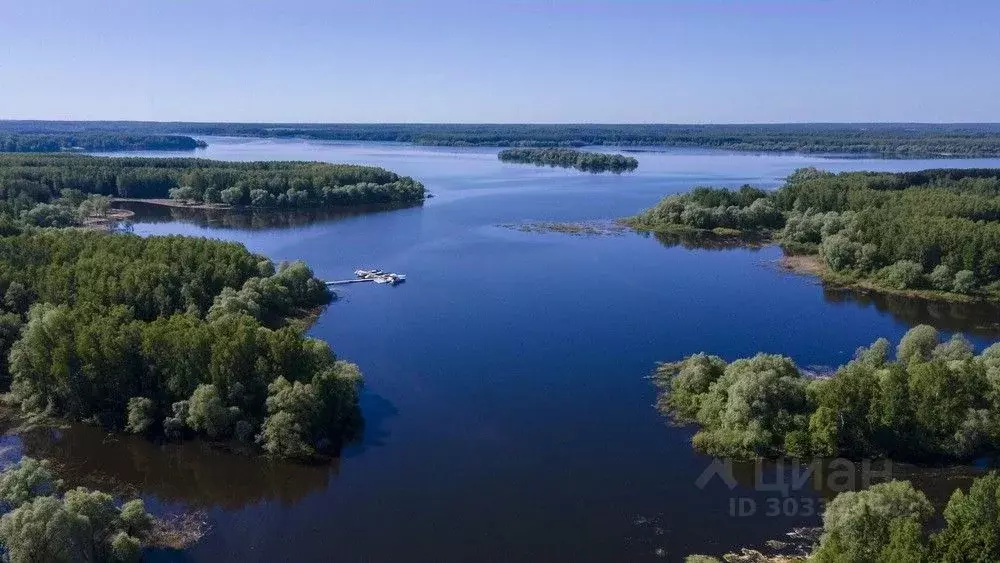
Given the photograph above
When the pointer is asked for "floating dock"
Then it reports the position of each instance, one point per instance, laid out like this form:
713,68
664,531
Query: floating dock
377,276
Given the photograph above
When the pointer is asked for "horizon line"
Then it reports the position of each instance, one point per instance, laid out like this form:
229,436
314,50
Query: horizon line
549,123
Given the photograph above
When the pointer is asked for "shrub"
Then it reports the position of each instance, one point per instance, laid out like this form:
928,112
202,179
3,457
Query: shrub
941,278
904,274
965,282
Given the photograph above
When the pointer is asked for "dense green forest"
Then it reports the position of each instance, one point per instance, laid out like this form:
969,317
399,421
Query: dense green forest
892,522
934,400
887,139
26,180
936,231
95,142
170,336
569,158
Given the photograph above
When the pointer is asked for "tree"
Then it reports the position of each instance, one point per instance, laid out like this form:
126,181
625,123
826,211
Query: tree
185,193
208,414
43,530
27,479
972,529
860,526
232,196
918,344
941,278
965,281
904,274
839,251
141,414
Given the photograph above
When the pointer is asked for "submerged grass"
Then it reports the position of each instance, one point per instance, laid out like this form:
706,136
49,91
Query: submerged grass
585,228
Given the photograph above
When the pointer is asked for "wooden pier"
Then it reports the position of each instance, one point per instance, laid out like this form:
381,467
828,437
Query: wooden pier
344,282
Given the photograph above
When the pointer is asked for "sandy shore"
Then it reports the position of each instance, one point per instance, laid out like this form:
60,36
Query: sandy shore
172,203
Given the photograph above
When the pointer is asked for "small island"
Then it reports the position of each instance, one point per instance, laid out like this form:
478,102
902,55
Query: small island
933,233
43,179
923,400
569,158
96,142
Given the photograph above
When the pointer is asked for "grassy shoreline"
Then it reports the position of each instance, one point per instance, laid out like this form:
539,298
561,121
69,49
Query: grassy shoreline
812,265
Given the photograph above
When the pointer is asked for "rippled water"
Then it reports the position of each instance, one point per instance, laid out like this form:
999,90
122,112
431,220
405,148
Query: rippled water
509,414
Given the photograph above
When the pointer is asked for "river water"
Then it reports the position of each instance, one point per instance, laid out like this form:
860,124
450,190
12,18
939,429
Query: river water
509,415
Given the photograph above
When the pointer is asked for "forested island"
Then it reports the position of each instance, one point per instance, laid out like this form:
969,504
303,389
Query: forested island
934,233
569,158
170,337
60,183
96,142
924,400
894,140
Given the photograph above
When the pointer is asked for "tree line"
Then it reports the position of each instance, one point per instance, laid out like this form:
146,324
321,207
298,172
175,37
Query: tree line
28,180
96,142
934,230
885,139
568,158
171,337
893,522
933,401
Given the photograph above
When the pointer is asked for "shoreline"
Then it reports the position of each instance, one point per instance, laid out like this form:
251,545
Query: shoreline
165,202
109,220
812,265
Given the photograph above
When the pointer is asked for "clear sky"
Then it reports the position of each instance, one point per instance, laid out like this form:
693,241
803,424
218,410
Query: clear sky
637,61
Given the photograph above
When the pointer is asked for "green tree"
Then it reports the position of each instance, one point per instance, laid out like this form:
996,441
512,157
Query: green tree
27,479
861,526
207,413
141,414
972,529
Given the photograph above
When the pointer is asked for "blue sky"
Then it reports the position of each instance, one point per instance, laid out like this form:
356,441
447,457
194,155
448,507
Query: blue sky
659,61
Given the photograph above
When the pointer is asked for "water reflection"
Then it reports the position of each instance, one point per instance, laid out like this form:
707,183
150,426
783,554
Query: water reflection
192,473
709,241
980,319
829,477
249,219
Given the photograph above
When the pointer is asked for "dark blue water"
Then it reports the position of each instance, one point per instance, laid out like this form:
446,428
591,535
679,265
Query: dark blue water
509,412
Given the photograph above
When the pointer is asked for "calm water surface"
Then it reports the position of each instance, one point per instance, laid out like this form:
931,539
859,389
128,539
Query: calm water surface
509,414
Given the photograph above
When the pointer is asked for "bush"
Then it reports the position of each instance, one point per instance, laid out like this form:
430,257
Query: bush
839,251
207,413
904,274
941,278
965,282
858,526
141,413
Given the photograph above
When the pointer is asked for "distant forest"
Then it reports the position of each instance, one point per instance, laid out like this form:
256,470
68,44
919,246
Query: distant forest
885,139
95,142
26,180
569,158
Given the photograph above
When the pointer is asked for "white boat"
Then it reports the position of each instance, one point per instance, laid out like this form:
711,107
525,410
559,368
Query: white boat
368,273
380,276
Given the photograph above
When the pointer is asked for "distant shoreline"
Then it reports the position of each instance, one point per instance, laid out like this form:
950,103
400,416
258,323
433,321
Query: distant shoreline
885,140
